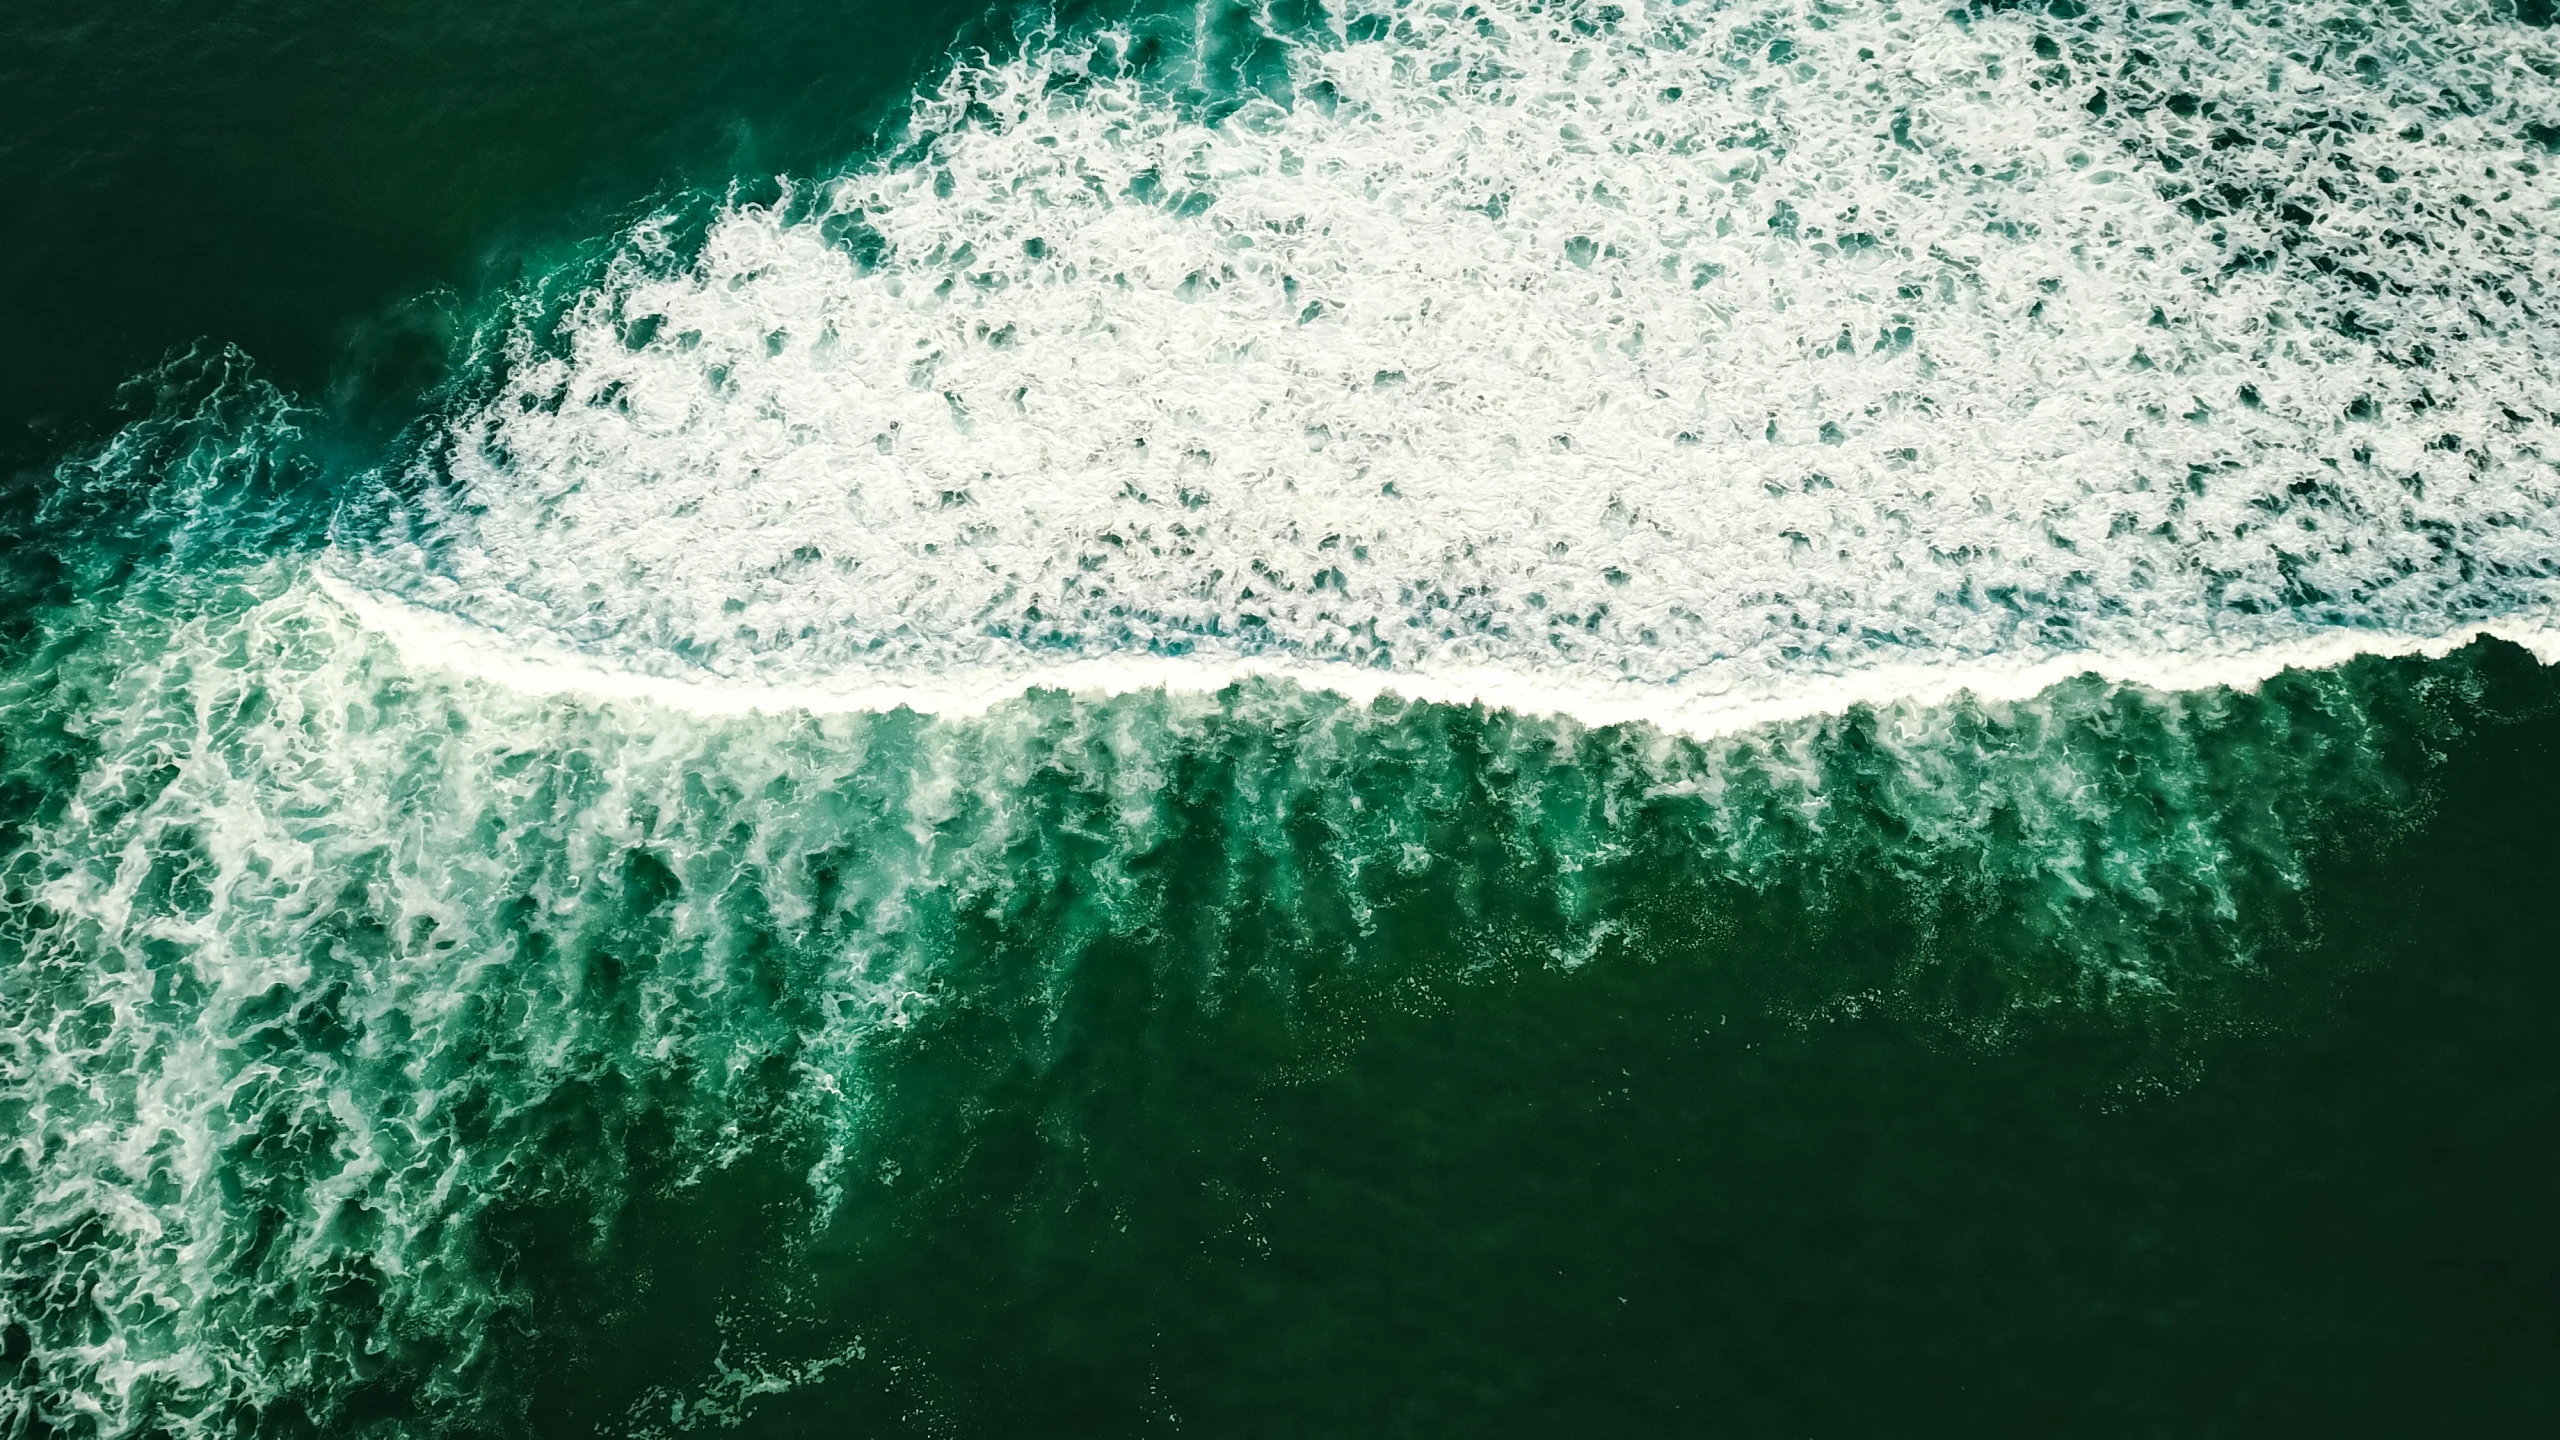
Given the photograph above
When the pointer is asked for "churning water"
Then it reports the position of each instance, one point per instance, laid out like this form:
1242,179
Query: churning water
960,691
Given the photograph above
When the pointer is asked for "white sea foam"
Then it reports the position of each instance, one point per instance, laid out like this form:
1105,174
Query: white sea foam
1697,365
439,643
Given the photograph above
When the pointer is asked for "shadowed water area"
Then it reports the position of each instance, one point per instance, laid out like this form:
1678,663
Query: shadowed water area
1419,719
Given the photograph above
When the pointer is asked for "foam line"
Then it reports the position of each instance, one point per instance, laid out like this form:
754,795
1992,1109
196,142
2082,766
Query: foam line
1698,708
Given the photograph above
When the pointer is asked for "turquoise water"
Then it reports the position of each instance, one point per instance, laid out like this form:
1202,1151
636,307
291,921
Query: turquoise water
1416,719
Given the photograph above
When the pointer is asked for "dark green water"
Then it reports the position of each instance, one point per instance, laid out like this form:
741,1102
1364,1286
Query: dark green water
392,1045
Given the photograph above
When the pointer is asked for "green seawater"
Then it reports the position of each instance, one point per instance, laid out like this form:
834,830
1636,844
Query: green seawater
396,1042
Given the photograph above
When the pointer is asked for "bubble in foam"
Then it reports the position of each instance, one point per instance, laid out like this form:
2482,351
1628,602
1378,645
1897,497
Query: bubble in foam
1571,346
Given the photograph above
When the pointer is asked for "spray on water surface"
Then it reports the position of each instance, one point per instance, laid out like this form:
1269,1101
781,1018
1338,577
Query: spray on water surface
825,841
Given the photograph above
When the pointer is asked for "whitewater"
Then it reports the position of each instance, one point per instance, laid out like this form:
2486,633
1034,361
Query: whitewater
1662,364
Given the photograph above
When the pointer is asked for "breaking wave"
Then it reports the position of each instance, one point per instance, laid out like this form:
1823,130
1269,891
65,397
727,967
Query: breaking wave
1346,505
1508,348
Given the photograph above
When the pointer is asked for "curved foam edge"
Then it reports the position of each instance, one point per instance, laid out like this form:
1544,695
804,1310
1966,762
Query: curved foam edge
431,640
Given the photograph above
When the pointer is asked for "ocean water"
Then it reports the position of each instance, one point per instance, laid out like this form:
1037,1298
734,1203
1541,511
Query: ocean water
1285,718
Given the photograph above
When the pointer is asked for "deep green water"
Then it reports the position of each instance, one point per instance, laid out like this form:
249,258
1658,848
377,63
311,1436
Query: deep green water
404,1041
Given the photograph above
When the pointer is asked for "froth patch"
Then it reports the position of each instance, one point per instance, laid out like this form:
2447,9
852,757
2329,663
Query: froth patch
1549,351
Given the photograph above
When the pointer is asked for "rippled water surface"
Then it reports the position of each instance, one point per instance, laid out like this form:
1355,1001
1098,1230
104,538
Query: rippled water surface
1491,717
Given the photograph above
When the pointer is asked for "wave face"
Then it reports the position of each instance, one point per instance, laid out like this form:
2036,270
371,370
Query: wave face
367,1030
397,1038
355,1018
1699,346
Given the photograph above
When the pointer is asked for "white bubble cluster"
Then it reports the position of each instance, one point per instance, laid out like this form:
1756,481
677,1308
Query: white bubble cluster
1703,347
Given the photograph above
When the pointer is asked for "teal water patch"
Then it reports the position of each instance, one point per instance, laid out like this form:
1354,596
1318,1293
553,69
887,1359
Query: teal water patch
387,1047
284,174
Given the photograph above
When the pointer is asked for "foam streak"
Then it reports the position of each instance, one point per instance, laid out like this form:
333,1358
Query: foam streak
435,642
